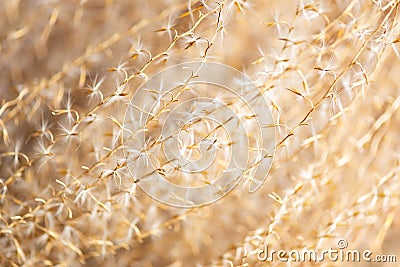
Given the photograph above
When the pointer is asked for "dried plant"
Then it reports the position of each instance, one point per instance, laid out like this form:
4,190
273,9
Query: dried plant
69,69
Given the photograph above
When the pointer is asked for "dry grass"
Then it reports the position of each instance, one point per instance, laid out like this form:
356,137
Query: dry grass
68,69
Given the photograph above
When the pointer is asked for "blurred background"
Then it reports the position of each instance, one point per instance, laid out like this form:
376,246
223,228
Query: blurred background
68,69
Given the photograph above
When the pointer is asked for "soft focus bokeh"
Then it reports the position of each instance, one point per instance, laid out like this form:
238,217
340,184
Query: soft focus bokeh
68,69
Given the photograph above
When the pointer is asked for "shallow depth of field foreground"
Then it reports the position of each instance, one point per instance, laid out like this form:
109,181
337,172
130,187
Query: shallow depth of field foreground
72,170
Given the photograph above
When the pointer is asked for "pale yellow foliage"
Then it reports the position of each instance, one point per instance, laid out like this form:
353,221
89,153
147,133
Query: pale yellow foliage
68,69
